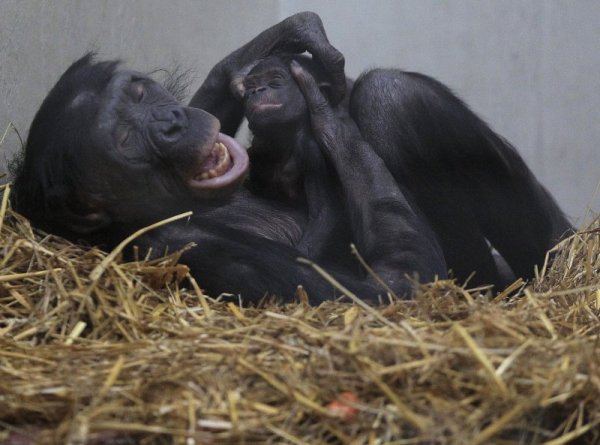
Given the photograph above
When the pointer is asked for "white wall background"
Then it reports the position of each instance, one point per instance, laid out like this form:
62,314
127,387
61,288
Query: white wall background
529,67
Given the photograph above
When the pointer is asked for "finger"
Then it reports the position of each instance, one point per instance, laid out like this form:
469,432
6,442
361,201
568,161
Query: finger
317,103
333,61
236,86
314,40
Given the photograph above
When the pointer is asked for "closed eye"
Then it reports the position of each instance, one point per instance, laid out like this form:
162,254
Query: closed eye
123,136
127,144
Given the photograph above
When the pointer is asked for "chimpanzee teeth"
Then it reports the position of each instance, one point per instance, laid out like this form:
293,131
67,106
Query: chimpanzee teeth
222,164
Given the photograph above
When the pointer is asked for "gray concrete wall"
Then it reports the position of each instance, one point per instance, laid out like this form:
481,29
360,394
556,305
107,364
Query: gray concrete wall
40,38
530,68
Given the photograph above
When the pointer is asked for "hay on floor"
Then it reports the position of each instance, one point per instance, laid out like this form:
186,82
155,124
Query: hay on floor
128,356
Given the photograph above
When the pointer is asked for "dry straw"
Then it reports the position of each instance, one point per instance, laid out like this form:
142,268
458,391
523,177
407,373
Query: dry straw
129,356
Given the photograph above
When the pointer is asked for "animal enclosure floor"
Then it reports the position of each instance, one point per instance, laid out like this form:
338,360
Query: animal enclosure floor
121,353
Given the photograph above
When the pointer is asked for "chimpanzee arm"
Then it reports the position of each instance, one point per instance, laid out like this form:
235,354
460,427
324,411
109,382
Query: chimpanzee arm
322,203
228,260
388,232
296,34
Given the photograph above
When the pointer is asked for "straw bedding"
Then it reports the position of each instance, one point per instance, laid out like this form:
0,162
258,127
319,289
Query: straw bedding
95,352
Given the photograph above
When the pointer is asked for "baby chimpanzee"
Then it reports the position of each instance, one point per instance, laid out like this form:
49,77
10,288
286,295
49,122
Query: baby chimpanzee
464,184
287,163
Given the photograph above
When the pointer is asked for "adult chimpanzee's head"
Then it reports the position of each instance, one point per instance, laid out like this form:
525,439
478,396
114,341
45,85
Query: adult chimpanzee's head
111,145
272,98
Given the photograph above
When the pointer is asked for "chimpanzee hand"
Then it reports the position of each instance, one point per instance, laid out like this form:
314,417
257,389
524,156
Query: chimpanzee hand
296,34
301,32
384,226
332,127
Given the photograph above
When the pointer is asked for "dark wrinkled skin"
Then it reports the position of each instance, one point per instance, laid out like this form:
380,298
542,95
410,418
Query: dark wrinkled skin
460,183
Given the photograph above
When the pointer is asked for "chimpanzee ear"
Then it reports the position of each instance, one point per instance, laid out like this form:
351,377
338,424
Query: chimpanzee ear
87,223
326,89
78,212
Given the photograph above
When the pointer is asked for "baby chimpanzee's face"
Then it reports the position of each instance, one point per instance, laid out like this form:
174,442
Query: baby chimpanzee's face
272,97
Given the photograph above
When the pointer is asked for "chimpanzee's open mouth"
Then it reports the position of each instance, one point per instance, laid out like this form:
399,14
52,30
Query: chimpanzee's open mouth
216,163
224,167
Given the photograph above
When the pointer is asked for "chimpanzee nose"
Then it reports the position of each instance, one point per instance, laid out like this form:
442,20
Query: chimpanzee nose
170,123
256,90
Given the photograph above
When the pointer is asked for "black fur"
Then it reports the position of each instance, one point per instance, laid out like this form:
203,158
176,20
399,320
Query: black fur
401,167
111,151
465,183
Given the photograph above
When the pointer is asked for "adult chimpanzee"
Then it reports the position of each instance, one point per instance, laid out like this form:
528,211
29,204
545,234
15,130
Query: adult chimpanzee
110,151
464,180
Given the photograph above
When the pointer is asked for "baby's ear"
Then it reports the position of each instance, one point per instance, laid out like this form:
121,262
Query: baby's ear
78,211
326,89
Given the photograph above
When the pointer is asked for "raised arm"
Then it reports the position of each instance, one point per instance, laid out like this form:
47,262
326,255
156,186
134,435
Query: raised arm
388,232
296,34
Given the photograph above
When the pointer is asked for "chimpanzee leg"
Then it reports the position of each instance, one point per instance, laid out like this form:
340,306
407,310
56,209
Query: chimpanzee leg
467,180
392,235
465,248
523,223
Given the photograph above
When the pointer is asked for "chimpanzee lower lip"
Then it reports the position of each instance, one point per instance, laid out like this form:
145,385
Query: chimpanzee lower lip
263,107
227,173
